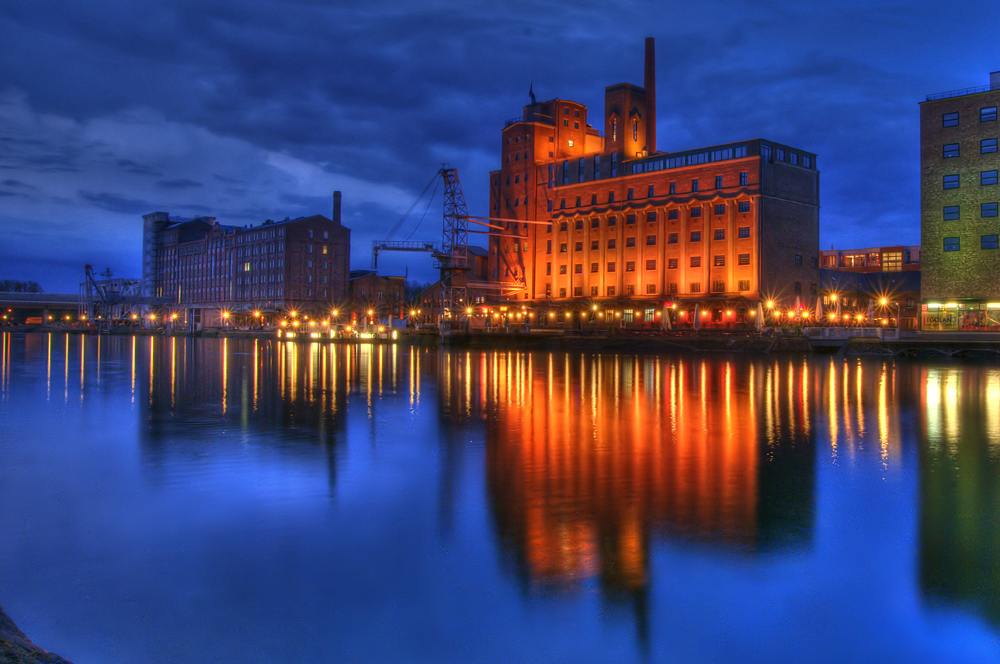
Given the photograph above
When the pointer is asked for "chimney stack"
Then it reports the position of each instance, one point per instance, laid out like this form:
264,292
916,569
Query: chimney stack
649,82
336,207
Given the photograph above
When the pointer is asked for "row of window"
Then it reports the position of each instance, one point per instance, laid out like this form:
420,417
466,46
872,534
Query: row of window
953,212
672,238
951,181
985,242
651,289
986,146
987,114
717,261
718,209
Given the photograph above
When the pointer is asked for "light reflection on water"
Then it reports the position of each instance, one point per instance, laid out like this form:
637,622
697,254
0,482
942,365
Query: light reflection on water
388,503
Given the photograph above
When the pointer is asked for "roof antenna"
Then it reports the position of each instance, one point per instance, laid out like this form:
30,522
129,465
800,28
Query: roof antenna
531,91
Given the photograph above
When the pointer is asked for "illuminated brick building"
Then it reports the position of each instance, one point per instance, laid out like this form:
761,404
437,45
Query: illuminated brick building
208,270
607,219
959,195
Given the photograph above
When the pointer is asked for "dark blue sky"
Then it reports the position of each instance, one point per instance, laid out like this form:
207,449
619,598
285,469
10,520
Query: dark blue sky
248,111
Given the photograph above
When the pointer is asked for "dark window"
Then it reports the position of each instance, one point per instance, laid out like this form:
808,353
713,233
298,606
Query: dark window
671,263
578,291
612,220
988,241
579,224
988,210
719,261
949,120
650,194
798,260
650,240
718,182
696,236
695,286
671,214
630,289
696,261
611,267
744,285
720,233
951,212
595,223
673,188
594,267
988,114
987,177
630,195
550,206
593,291
595,245
651,265
744,206
950,150
743,179
564,226
672,287
562,248
562,292
562,269
611,196
651,289
720,208
743,259
611,291
951,181
548,268
630,266
743,231
988,145
579,246
650,216
630,219
672,238
548,246
719,287
798,288
578,201
951,244
694,184
578,268
630,241
593,199
562,203
611,243
696,212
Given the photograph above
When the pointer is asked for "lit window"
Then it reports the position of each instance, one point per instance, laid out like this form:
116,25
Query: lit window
951,244
949,120
951,181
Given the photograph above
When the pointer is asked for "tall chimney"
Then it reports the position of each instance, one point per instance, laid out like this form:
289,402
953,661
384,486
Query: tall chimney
336,207
649,82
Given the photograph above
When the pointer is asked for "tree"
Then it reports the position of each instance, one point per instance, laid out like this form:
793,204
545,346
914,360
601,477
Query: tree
15,286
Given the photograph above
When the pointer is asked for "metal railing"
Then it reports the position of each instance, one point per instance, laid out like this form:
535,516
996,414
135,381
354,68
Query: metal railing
958,93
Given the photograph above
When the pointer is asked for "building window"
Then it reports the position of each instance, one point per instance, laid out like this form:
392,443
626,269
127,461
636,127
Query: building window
719,260
798,260
719,287
650,216
988,145
718,182
949,120
672,287
650,193
578,246
743,232
695,212
988,241
562,269
720,233
630,194
696,236
744,285
951,244
562,248
548,246
629,290
988,210
672,238
550,205
611,266
696,261
671,263
950,150
562,292
612,220
988,114
951,212
695,286
548,268
743,179
595,245
743,259
651,265
650,240
611,291
630,241
630,266
671,214
630,219
744,206
987,177
651,289
564,226
951,181
673,188
611,243
720,208
765,152
594,267
694,184
595,223
579,222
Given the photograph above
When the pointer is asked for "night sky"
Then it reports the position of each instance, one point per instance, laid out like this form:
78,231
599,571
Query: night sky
246,111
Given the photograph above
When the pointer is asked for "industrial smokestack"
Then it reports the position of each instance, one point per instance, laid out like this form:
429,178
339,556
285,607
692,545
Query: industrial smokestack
649,82
336,207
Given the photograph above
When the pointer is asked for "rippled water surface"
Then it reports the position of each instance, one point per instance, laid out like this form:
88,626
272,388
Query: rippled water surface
170,500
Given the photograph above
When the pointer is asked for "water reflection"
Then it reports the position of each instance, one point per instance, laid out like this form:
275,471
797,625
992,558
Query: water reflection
960,488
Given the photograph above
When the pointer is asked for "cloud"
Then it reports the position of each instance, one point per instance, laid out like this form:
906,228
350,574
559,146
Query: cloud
179,183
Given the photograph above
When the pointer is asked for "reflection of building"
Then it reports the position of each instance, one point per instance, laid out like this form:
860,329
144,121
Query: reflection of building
383,297
205,268
959,488
878,297
607,217
628,448
959,195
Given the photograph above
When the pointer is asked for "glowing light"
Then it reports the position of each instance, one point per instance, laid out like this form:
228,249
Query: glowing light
883,300
770,304
256,314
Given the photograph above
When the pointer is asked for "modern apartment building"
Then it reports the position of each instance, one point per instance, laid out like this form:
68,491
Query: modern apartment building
598,216
959,195
211,273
